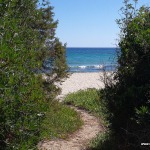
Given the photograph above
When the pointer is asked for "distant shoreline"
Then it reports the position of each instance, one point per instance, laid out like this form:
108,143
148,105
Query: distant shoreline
95,47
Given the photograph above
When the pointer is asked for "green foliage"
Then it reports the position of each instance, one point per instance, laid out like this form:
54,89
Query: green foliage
103,141
59,122
86,99
26,39
60,59
90,100
128,98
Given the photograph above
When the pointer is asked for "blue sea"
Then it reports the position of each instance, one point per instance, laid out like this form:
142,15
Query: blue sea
91,59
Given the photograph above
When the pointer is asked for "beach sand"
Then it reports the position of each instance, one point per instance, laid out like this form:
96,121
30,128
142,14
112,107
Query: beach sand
80,81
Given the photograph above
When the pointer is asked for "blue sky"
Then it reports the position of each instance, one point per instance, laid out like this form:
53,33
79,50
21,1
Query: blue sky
88,23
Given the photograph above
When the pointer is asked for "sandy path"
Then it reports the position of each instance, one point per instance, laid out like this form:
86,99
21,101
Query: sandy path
78,140
91,125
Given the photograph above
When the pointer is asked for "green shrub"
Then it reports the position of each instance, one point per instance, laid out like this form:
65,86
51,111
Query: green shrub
128,98
22,97
25,42
103,141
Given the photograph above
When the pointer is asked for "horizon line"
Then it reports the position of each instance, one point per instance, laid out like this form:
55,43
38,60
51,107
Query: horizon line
88,47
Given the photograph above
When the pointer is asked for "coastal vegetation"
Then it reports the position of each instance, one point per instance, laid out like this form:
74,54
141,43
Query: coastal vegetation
60,121
29,111
127,99
27,43
86,99
90,101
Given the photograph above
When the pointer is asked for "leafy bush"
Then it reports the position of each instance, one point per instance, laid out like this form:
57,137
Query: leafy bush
128,97
26,39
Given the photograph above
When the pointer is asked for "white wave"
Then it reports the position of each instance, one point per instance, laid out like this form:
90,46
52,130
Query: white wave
82,67
88,67
98,66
